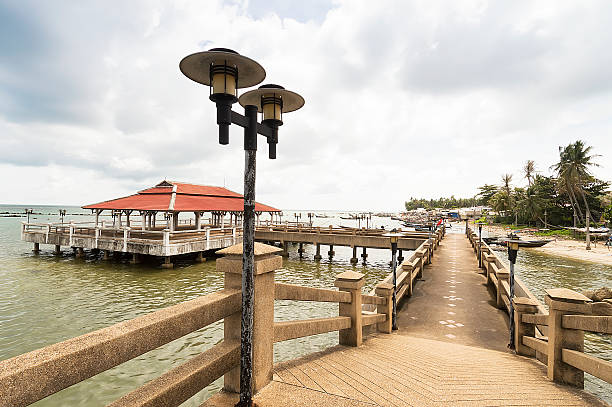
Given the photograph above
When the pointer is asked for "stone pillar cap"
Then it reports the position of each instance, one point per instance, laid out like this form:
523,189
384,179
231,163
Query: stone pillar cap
260,249
349,276
525,301
384,286
567,295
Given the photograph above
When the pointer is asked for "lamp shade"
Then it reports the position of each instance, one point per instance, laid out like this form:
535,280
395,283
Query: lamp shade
513,244
272,100
197,67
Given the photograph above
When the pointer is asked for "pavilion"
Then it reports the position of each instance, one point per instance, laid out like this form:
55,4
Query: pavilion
172,198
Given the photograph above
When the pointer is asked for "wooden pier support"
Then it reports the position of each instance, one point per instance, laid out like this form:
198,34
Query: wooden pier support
331,251
135,258
285,247
107,254
301,249
167,264
354,259
200,258
318,254
58,250
36,248
364,254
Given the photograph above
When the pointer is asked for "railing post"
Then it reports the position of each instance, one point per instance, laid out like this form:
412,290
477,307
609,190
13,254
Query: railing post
126,232
523,306
233,235
410,270
47,233
266,261
70,238
385,290
352,282
502,275
166,238
562,301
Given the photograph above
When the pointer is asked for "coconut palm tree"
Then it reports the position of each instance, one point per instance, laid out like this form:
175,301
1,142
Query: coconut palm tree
573,170
529,170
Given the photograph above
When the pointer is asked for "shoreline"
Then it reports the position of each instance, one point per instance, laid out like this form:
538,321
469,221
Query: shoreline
573,249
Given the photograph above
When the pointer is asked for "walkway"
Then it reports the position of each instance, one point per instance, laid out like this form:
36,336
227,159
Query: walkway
450,350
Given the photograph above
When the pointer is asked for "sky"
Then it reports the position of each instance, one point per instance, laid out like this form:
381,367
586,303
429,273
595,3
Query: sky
403,98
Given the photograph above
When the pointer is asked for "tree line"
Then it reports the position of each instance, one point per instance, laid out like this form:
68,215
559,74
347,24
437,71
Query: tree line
564,198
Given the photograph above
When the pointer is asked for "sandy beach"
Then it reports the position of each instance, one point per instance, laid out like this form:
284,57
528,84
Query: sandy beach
573,249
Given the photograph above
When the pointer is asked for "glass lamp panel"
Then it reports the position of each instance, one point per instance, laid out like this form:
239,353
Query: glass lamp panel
224,83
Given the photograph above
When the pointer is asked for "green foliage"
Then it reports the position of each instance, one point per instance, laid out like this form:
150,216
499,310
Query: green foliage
565,233
445,203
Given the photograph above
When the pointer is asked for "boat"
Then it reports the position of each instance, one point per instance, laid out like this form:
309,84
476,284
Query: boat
322,215
522,243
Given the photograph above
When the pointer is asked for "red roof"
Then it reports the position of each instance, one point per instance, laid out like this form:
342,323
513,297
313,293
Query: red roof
187,198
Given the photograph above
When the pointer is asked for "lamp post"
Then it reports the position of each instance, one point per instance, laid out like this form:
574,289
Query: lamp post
62,213
513,247
480,245
394,237
225,71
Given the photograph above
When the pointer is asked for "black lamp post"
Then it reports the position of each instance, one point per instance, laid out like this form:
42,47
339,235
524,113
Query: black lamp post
394,236
226,71
513,247
62,213
28,212
480,245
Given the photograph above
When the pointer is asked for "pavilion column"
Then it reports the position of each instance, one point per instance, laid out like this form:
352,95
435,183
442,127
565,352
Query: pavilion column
175,220
119,218
257,215
222,219
127,218
198,220
152,217
98,211
143,215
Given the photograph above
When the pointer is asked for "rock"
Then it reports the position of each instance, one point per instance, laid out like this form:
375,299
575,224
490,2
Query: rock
599,294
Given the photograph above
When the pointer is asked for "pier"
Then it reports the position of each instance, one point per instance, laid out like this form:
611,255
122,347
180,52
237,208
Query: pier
450,349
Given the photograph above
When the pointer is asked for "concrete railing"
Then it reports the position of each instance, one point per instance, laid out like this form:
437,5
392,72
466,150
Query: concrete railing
333,230
30,377
554,336
350,320
570,315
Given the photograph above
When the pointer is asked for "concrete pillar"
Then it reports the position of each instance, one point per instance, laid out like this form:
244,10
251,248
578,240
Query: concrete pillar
119,219
80,252
36,248
385,290
58,249
331,251
285,246
97,216
266,261
152,220
400,257
364,254
200,257
318,254
135,258
198,220
351,282
107,254
143,216
301,249
175,221
167,264
354,258
562,301
523,306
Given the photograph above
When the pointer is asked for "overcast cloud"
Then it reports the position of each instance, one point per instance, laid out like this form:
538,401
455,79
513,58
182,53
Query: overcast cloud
403,98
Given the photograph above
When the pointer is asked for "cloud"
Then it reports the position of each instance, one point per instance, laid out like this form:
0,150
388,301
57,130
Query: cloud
402,98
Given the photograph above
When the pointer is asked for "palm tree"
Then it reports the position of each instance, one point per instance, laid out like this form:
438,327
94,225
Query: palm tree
506,180
529,170
573,170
